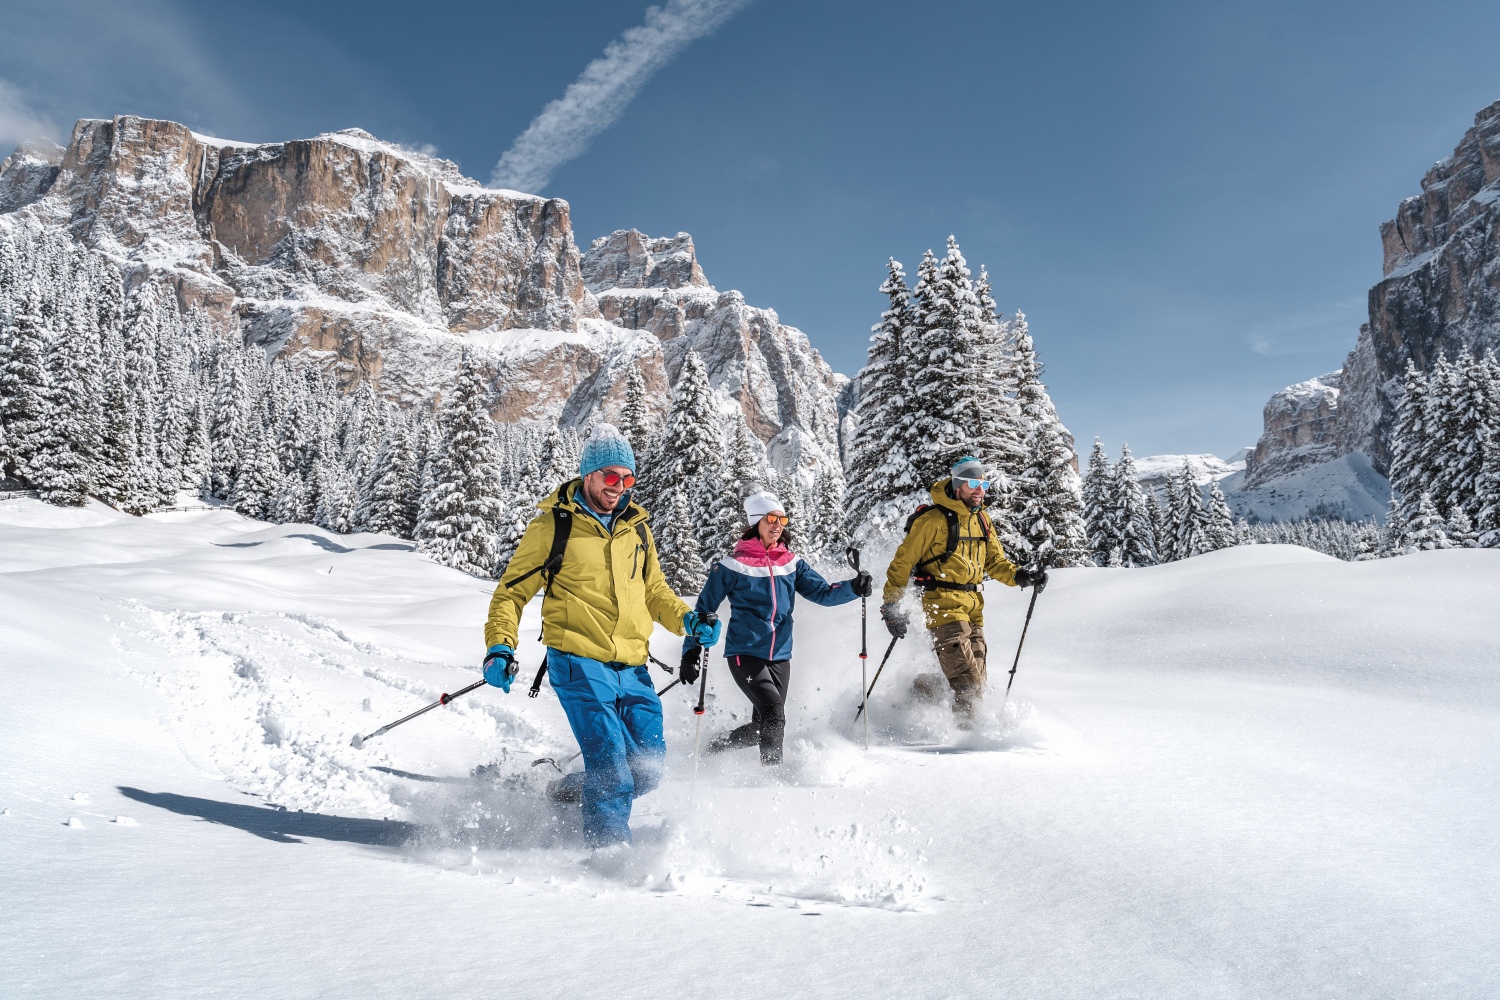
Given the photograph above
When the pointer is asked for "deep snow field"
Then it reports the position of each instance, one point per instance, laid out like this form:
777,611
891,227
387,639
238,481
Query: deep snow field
1257,773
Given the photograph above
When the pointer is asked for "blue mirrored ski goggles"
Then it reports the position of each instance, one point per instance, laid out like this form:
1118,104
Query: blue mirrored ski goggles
976,484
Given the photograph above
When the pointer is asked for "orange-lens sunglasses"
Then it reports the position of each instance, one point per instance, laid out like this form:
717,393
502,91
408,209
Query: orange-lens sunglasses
780,519
615,479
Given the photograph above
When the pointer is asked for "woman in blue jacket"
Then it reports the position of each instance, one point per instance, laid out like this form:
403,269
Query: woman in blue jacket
761,579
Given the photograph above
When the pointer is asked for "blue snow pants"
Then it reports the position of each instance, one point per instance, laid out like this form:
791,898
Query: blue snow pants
616,718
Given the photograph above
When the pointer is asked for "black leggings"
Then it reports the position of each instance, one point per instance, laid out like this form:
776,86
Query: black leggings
764,683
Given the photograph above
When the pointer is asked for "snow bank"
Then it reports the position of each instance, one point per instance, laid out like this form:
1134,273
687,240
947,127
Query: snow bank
1260,772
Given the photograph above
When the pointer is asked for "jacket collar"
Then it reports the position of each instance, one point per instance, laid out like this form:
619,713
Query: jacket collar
753,552
566,496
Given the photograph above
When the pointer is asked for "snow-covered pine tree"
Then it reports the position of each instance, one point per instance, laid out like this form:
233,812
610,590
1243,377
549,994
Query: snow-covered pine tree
1221,530
65,465
1427,530
393,501
1190,517
677,546
1050,523
1409,441
1393,539
1134,514
1100,510
635,413
881,472
145,480
1461,530
829,500
950,377
1003,431
229,421
23,404
337,500
1467,414
1487,524
258,479
456,523
557,461
689,451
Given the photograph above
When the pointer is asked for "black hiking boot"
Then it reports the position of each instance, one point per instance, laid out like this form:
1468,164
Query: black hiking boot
568,788
747,735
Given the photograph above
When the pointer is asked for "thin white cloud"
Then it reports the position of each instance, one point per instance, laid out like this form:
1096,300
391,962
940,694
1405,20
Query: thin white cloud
1308,330
18,122
599,96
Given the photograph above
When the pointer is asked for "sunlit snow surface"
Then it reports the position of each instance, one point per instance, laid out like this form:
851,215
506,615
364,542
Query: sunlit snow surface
1260,772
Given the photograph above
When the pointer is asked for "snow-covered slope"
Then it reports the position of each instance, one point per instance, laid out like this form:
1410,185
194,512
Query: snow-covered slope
1154,470
1347,487
1256,773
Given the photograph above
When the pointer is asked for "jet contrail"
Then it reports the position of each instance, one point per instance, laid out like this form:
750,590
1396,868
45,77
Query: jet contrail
607,85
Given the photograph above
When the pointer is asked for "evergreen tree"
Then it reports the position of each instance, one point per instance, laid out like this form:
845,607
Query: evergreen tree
1221,530
635,414
1134,510
456,523
1051,518
1100,508
145,481
337,501
23,404
1426,531
949,376
829,511
258,479
881,471
64,466
1394,539
1461,530
393,504
1487,524
230,418
1466,415
677,546
688,453
558,460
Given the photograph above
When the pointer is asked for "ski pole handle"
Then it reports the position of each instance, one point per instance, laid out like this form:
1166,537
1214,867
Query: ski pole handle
710,618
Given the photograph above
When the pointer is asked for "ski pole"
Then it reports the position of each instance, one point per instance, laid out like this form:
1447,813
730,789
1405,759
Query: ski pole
708,619
864,651
887,656
1017,662
358,742
554,763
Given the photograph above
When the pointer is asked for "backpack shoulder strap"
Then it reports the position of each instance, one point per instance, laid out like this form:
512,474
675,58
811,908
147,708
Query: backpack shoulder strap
951,546
562,527
640,529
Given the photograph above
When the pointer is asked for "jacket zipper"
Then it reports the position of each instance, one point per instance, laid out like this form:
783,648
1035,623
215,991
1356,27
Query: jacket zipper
773,614
635,560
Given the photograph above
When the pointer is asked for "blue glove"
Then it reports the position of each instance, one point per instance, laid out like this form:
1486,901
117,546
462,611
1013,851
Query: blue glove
500,666
706,633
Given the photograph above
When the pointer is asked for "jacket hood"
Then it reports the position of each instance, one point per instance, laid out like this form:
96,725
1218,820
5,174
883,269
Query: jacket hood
753,552
942,497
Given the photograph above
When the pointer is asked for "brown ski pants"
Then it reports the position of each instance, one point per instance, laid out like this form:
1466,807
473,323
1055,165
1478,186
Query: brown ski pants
961,652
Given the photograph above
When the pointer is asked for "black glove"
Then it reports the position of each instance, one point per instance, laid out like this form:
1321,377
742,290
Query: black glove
1032,578
689,669
863,584
895,620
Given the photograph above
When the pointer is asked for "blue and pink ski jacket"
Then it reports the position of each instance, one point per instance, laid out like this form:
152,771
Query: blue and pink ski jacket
761,587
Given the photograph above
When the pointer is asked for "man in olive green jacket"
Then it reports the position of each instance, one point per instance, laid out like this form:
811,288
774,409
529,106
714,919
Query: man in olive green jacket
952,583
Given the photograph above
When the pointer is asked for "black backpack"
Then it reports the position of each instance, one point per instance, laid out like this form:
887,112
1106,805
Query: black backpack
926,580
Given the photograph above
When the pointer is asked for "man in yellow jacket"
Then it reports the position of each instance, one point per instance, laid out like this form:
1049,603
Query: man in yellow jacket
950,547
603,590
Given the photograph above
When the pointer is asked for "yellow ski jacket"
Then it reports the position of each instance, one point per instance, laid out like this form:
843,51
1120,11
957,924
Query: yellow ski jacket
606,594
975,558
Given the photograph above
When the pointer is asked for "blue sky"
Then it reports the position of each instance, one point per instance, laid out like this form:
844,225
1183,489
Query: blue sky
1184,198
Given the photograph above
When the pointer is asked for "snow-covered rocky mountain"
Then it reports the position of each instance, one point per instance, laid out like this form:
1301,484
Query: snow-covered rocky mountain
385,265
1153,471
1440,295
790,397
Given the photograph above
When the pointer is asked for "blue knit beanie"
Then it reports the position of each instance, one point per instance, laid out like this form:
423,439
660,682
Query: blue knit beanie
606,446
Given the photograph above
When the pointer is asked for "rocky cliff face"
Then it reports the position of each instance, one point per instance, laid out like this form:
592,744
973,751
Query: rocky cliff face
1300,429
791,399
1440,296
385,266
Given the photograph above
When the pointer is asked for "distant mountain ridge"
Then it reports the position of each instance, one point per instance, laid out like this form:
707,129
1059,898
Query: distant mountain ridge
1440,296
384,266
